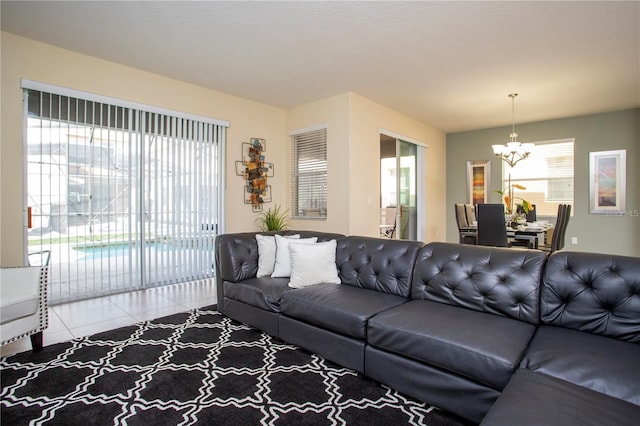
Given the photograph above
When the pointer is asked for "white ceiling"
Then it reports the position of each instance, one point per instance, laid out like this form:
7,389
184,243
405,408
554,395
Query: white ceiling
449,64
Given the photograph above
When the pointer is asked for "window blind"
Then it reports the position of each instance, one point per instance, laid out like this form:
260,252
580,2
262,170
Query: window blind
547,175
309,173
123,198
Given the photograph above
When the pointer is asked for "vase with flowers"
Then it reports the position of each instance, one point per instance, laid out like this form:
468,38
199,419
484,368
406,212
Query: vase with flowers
511,215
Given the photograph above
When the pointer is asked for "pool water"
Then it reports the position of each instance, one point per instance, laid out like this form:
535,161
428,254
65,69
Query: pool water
122,249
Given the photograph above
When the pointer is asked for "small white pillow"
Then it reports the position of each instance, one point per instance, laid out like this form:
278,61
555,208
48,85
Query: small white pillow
282,268
315,264
267,253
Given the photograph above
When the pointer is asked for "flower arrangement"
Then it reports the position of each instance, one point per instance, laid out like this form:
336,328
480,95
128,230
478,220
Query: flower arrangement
509,198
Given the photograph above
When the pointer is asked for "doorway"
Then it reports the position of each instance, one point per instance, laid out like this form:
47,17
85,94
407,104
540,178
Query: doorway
401,188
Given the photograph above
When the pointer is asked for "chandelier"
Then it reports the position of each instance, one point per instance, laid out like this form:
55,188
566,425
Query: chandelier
513,151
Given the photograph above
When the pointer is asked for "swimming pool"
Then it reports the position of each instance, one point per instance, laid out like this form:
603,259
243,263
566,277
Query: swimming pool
98,251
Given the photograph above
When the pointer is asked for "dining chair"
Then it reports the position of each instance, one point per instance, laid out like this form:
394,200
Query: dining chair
559,244
491,226
387,222
389,232
466,234
470,210
531,214
560,229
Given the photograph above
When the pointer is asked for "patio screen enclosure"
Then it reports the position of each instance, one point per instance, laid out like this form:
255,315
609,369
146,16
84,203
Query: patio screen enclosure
124,196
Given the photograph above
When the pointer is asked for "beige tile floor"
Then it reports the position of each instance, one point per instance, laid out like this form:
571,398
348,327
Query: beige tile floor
78,319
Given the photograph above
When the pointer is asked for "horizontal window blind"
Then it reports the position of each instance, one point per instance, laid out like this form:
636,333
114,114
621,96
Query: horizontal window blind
309,174
547,175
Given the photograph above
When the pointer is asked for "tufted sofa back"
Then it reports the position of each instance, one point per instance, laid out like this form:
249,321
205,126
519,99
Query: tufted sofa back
237,254
596,293
377,264
499,281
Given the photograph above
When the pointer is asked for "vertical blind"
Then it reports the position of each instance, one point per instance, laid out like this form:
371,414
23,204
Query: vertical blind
547,175
309,173
123,197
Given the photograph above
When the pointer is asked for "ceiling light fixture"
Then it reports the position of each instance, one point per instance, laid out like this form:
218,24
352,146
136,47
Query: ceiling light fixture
513,151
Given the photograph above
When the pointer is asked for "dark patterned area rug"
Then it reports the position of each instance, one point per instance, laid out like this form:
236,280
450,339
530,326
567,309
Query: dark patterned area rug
198,367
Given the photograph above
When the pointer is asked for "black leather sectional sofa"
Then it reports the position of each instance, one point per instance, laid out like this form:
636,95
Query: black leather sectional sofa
494,335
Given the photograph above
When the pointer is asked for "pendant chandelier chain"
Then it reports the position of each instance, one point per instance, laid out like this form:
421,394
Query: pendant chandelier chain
513,135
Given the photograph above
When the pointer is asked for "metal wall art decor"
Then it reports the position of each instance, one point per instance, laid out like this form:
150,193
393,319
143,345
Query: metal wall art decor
255,171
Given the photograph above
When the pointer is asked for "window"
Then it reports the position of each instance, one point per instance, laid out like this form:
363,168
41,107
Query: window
547,175
309,173
124,196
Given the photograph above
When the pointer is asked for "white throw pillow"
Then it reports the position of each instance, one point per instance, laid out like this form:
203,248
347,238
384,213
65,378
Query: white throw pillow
267,253
282,268
315,264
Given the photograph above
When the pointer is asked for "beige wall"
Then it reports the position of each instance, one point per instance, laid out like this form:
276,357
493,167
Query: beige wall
334,112
353,140
23,58
353,145
367,118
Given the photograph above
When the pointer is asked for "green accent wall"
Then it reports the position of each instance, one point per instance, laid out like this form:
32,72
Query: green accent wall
598,132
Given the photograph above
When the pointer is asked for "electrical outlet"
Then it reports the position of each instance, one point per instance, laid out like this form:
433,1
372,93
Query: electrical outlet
574,240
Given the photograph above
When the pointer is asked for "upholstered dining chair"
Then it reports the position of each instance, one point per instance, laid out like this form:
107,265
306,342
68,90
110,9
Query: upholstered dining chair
470,210
531,214
560,229
467,235
491,226
565,223
23,304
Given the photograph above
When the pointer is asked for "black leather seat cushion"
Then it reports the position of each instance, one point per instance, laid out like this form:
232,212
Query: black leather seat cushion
340,308
600,363
480,346
263,292
532,399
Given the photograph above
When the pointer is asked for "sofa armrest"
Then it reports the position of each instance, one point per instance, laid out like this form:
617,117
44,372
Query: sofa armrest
236,259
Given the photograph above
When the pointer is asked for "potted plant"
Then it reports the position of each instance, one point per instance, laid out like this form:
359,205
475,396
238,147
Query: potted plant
273,219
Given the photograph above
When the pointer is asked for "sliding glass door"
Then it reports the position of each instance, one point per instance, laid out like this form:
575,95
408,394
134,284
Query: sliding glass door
121,197
401,188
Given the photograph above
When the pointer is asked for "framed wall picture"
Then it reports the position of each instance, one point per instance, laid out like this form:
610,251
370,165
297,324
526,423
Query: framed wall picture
478,179
607,181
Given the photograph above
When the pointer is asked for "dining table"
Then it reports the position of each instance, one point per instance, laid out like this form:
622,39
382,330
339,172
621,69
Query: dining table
536,229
